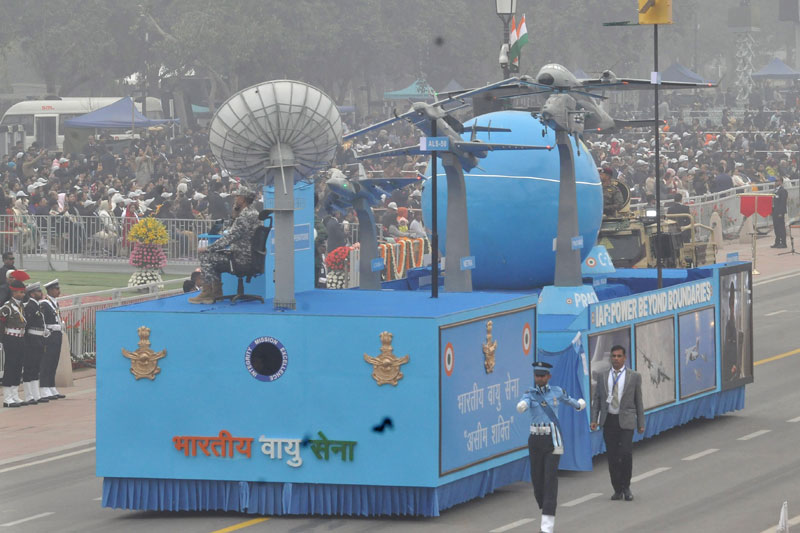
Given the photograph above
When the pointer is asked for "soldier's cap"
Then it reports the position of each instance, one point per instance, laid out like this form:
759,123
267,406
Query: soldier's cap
605,169
540,368
33,287
19,275
246,192
52,284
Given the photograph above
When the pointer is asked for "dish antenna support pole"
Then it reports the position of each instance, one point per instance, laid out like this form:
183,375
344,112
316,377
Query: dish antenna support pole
282,167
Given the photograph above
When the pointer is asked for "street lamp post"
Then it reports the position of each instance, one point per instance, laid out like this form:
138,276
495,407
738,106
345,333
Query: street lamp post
505,10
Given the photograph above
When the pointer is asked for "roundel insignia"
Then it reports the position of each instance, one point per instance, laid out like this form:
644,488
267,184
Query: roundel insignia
591,262
527,339
569,301
449,359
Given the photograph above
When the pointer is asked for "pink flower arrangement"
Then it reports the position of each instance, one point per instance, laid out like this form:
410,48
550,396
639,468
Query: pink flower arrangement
148,256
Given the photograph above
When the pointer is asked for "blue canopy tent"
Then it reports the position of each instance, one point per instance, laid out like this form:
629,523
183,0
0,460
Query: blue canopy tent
419,90
120,114
776,70
677,72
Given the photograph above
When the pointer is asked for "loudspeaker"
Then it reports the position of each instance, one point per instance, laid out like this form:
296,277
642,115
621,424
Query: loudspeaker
789,10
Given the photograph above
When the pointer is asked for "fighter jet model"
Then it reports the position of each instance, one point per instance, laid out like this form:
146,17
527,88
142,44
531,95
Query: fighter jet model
657,371
558,80
361,193
693,352
459,156
570,110
468,153
344,191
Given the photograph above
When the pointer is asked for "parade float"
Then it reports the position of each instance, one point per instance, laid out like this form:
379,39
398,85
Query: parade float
391,401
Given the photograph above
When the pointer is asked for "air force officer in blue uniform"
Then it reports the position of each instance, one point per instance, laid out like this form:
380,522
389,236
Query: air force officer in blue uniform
545,445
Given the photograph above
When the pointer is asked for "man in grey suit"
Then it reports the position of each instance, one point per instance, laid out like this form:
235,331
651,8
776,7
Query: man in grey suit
617,407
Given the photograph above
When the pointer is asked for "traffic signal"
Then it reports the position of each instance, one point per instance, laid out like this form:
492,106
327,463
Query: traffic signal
655,11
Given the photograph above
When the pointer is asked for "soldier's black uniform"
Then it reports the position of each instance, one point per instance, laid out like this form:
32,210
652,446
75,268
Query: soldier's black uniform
52,344
13,322
34,350
779,216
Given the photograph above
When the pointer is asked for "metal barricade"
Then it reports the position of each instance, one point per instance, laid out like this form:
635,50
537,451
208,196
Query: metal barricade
726,204
79,311
95,239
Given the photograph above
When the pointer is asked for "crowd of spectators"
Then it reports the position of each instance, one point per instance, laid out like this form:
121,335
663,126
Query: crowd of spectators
704,158
99,194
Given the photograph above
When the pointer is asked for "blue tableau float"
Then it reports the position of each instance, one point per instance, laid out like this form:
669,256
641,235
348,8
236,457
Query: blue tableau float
272,412
389,402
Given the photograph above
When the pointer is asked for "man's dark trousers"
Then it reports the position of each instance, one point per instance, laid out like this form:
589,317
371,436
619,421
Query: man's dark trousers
544,472
619,448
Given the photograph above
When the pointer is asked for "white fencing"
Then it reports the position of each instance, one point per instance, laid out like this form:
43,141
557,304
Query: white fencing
91,238
79,311
726,203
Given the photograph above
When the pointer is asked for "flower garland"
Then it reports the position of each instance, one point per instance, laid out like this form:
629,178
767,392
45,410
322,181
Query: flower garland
149,231
144,277
387,253
399,258
338,258
419,253
336,279
147,256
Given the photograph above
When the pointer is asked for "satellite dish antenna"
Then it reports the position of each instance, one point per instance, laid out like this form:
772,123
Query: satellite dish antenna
277,133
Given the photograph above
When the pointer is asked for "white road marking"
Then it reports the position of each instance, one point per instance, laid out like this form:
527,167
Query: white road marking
698,455
582,499
47,452
793,420
34,517
41,461
651,473
791,522
776,312
513,525
97,499
755,434
776,278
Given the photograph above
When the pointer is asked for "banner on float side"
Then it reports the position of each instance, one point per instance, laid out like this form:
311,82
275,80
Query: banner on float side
485,367
670,336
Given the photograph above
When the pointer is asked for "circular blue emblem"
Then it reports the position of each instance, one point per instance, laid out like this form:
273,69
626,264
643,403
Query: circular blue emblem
266,358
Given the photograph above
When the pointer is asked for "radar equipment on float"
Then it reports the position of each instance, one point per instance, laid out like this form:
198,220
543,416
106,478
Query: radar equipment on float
277,133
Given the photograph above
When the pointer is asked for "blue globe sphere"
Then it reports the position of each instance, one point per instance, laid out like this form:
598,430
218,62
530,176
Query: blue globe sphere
512,203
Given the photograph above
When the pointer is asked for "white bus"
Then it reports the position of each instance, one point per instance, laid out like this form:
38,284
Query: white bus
43,120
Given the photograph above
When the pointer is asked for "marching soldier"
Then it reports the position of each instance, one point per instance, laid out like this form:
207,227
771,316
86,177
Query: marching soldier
12,323
545,443
52,344
35,334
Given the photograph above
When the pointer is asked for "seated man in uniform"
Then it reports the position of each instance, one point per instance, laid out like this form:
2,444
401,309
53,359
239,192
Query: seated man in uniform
215,259
612,196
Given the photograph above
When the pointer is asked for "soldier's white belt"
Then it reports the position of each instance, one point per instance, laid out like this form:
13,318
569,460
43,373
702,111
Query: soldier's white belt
14,332
54,327
38,332
540,430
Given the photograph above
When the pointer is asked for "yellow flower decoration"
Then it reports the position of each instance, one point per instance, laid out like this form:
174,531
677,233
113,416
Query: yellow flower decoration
149,231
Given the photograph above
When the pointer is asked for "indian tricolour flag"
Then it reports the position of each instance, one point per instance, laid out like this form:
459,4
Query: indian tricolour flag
512,40
517,40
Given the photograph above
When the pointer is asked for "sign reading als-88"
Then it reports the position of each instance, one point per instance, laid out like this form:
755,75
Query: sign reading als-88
485,366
